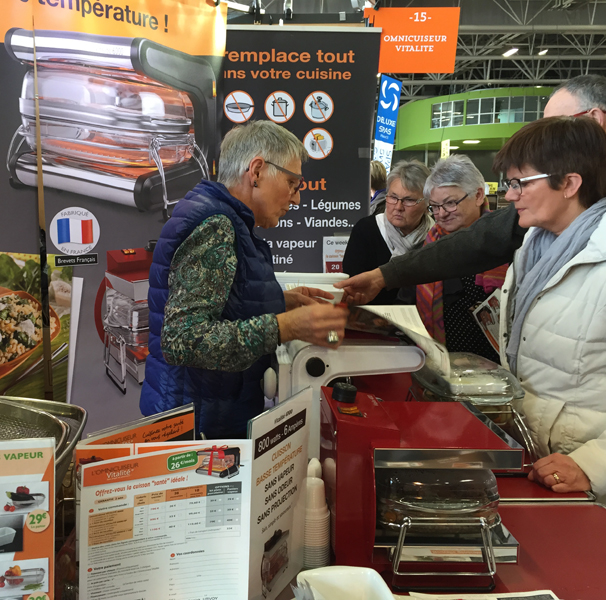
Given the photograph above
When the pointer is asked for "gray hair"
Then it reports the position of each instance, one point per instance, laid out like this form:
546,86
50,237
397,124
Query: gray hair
590,91
456,170
412,174
257,138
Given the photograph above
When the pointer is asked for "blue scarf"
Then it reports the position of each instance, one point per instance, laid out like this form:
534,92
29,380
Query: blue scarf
541,257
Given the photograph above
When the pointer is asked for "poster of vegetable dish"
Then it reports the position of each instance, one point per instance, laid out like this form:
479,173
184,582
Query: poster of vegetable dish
21,325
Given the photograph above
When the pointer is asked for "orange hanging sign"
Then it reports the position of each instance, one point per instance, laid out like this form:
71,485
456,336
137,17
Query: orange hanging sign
416,40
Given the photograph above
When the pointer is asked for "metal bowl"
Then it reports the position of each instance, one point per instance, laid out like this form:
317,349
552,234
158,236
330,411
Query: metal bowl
37,501
70,415
27,577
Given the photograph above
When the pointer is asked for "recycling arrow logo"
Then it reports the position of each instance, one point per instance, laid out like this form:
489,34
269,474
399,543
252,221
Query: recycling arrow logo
396,96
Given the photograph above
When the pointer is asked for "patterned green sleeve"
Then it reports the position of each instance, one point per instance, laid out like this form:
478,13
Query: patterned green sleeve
200,279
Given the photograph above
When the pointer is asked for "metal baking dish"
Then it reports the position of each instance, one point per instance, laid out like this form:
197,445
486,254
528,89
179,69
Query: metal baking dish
70,415
27,577
7,535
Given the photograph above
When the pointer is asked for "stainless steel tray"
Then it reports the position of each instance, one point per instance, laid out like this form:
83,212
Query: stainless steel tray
70,415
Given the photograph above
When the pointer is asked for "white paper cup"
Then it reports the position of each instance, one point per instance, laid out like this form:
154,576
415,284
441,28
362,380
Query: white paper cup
316,496
314,468
331,289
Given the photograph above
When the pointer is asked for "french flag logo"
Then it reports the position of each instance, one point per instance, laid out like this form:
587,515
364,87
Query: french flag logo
75,231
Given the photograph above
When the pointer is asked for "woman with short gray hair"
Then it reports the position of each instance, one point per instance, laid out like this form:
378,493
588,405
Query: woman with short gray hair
401,228
455,189
217,312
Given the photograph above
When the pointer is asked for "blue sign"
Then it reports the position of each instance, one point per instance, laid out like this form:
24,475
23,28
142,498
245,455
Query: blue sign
387,111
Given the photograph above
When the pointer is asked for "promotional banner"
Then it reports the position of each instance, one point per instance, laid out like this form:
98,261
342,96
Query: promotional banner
319,83
280,437
387,117
127,98
27,521
415,40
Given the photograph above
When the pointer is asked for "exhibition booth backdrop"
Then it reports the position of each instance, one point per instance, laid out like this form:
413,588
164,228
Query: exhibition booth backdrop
133,101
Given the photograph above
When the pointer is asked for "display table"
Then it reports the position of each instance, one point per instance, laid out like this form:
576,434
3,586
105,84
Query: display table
518,488
562,548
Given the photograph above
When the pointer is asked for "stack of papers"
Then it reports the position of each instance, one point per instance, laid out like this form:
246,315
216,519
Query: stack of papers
537,595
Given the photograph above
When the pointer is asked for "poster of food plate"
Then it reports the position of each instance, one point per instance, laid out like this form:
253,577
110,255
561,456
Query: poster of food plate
21,351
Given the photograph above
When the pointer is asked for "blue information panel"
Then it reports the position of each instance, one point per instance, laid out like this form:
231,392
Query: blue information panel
387,116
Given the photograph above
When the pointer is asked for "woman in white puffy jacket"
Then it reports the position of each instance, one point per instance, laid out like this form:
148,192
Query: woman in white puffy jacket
553,311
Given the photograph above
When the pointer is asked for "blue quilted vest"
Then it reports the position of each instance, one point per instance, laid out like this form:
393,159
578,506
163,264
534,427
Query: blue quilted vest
224,402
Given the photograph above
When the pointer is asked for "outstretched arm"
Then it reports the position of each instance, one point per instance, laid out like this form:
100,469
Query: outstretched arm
491,241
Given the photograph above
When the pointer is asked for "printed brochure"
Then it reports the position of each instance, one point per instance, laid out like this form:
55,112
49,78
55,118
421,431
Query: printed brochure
172,524
389,320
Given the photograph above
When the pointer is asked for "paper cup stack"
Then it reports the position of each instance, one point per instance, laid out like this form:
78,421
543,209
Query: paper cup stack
316,551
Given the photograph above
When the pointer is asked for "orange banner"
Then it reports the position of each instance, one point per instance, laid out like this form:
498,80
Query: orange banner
193,27
415,40
165,430
139,467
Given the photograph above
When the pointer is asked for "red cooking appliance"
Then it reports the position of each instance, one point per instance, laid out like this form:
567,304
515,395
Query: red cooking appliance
411,489
122,313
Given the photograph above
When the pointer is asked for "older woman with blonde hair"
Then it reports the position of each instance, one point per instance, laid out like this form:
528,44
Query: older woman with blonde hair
401,228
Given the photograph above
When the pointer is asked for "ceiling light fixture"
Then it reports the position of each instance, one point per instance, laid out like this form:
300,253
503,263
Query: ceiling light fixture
510,52
245,8
471,141
454,147
544,52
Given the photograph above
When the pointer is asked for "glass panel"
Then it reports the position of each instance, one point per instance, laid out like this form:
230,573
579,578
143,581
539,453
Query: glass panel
486,119
458,107
446,106
473,106
530,115
502,110
435,115
516,109
531,103
501,104
472,119
457,120
487,105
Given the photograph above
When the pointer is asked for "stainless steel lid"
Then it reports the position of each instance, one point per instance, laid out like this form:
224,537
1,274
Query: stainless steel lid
472,378
69,96
22,422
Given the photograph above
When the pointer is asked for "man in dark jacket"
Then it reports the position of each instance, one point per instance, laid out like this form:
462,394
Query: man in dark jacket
492,240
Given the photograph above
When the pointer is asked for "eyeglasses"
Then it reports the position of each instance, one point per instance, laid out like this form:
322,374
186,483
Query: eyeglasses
391,199
295,188
448,206
587,111
517,184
